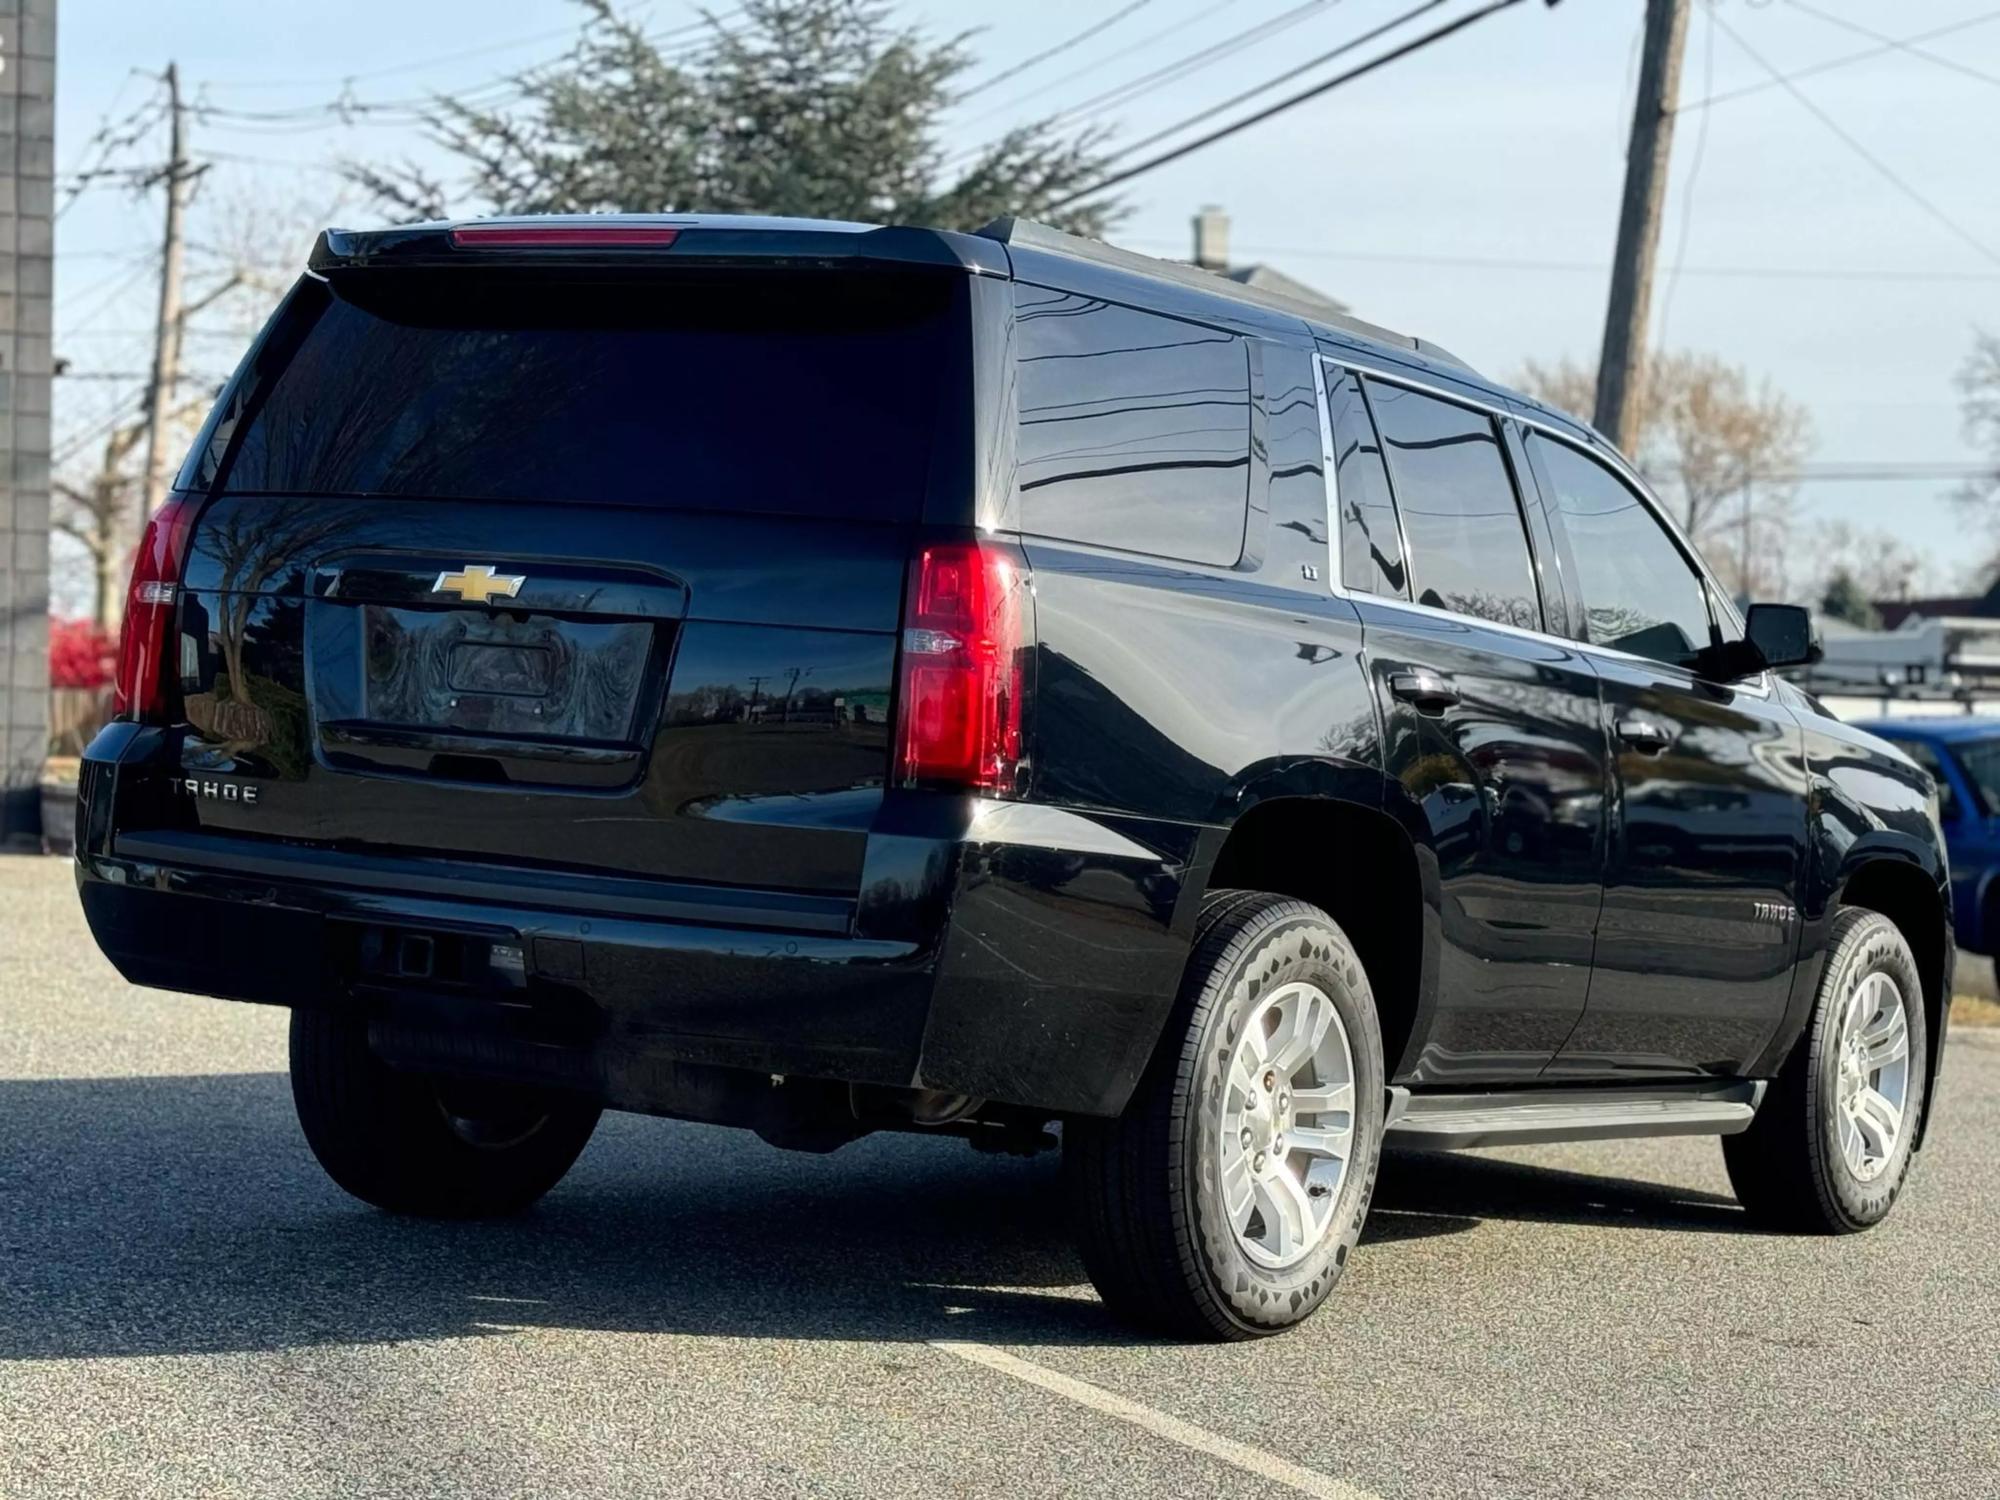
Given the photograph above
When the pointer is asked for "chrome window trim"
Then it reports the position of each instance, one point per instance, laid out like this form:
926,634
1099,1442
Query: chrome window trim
1336,549
1759,686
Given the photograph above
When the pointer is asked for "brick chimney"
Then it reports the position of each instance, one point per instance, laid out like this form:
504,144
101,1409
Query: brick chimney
1211,239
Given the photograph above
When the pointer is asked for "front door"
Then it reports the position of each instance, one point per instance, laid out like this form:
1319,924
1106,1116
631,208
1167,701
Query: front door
1699,929
1493,735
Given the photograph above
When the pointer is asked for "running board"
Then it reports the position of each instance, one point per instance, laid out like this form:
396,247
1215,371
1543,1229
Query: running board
1452,1122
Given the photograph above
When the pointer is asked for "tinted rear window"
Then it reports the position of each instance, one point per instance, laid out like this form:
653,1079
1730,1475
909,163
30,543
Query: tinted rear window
812,396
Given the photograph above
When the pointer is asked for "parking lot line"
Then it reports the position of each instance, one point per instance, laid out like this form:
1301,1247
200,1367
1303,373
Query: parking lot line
1173,1429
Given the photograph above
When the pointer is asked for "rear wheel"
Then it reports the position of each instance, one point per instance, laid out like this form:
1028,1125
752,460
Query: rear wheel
1831,1147
415,1144
1224,1202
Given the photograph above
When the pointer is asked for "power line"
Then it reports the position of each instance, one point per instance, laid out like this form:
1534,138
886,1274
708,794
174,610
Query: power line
1841,62
348,110
1854,145
1151,39
1888,41
1595,268
1285,77
1207,56
343,80
1416,44
1057,50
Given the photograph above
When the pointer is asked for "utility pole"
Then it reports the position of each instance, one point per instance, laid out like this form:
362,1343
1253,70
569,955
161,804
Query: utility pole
1621,366
167,338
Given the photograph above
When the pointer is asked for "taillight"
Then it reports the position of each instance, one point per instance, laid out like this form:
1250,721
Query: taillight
145,640
964,642
562,236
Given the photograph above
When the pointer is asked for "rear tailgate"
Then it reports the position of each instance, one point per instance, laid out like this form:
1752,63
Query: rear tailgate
594,568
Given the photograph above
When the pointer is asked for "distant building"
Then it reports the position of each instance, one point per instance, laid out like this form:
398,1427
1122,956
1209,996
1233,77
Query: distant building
1211,253
1895,612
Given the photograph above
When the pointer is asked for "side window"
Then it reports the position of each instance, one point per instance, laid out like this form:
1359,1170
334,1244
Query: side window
1371,551
1639,592
1926,757
1135,429
1461,517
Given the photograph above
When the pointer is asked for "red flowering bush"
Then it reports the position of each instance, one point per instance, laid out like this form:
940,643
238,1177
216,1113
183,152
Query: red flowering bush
81,655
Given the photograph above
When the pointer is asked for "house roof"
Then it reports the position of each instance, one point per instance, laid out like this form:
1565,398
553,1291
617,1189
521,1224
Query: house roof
1265,278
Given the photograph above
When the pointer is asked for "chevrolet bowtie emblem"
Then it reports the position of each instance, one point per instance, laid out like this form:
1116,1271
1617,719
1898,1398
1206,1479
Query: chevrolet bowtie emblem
479,584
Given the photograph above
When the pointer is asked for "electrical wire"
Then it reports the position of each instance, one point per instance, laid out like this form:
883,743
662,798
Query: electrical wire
1595,268
1841,62
1883,168
1149,40
1844,24
1285,77
1416,44
1173,72
1056,51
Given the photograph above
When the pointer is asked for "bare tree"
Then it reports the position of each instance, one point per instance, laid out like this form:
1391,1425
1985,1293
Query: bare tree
1877,566
1978,384
249,250
1724,449
95,512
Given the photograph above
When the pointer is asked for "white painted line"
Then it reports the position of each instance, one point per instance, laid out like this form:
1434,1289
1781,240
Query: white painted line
1173,1429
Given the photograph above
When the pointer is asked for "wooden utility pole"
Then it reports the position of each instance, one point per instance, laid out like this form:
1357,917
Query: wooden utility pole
167,337
1621,366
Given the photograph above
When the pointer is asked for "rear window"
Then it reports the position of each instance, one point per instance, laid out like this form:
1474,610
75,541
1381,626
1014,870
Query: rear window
813,396
1135,429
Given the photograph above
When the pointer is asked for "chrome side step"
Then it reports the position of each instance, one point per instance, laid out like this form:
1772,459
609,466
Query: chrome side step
1452,1122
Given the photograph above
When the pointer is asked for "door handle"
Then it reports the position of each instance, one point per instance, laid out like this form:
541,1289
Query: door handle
1644,735
1428,692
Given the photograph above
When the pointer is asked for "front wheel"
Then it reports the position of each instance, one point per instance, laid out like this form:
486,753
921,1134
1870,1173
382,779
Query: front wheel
414,1144
1224,1202
1830,1149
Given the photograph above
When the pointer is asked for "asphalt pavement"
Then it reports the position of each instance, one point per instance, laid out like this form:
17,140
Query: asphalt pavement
189,1308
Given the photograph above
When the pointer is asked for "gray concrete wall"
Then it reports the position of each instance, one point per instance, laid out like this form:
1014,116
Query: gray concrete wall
27,194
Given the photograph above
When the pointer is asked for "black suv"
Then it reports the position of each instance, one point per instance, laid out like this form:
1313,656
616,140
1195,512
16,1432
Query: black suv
829,679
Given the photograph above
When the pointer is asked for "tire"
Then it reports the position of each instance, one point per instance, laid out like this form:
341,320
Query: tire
413,1144
1795,1169
1150,1191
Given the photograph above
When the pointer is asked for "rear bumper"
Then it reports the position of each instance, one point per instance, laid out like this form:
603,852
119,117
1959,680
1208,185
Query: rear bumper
1021,954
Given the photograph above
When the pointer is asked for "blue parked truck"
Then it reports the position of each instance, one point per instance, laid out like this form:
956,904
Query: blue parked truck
1963,755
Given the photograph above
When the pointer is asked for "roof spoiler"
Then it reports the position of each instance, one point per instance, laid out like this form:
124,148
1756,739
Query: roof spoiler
652,240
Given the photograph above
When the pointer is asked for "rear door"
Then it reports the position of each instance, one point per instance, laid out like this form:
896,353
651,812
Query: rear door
589,569
1493,734
1700,925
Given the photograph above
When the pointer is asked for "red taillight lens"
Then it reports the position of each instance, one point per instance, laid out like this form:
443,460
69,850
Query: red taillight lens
560,236
964,640
145,639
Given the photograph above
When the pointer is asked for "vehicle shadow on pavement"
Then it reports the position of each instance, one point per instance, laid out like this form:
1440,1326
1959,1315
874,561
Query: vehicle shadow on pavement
1486,1187
183,1215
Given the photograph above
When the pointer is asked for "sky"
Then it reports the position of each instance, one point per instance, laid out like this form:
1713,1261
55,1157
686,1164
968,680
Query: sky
1838,236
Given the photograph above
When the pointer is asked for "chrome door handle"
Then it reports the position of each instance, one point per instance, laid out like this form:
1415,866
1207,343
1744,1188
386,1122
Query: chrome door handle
1644,735
1428,692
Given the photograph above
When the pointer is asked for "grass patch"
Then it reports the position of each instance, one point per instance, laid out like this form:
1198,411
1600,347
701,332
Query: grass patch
1970,1010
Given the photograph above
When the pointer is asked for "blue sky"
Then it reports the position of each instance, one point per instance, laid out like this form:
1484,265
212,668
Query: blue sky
1468,194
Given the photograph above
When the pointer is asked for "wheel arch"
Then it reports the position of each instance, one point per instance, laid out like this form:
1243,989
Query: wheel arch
1909,896
1351,859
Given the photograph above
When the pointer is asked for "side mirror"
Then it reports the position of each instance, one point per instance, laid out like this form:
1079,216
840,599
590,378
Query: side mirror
1782,634
1774,635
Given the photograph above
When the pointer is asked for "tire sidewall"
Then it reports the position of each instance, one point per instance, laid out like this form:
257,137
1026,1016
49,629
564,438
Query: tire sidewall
1295,947
1874,947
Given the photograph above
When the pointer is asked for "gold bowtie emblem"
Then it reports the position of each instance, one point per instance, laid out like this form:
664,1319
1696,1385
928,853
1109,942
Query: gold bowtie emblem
479,584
